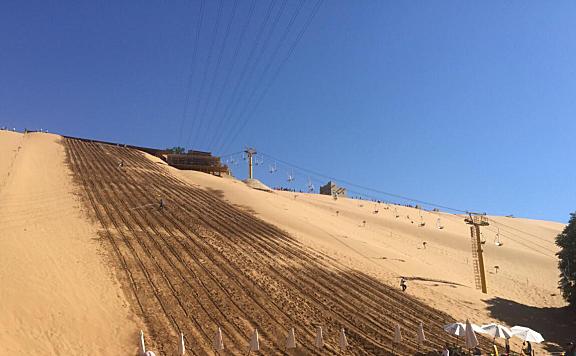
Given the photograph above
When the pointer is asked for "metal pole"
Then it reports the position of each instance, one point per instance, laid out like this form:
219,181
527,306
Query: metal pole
480,259
250,165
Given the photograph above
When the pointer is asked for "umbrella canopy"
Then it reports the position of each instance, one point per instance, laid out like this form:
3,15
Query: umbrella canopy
470,336
141,345
420,335
254,341
526,334
397,334
218,343
496,330
342,341
459,329
319,342
291,340
181,346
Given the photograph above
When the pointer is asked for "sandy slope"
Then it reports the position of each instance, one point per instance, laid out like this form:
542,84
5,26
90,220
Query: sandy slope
388,247
57,295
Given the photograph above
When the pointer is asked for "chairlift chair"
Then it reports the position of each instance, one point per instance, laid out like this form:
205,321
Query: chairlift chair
422,222
310,186
497,241
290,177
439,224
272,168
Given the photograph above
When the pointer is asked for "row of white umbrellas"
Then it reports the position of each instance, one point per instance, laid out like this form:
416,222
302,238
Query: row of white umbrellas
469,330
218,343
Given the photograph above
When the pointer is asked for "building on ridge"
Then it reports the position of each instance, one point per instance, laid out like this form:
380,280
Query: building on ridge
332,189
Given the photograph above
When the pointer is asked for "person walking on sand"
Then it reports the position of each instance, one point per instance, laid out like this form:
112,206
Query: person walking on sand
528,349
403,284
161,206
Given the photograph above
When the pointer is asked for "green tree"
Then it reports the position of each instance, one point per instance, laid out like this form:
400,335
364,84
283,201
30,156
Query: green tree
177,150
566,240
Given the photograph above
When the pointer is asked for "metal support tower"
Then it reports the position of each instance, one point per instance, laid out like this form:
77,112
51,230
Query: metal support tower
249,153
477,220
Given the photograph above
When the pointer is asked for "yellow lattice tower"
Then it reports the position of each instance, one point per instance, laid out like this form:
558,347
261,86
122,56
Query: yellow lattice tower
477,220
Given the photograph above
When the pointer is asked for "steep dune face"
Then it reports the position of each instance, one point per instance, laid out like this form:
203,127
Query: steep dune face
197,262
57,295
390,245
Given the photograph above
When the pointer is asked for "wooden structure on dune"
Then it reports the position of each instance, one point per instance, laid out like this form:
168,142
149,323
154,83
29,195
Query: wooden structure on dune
196,161
193,160
332,189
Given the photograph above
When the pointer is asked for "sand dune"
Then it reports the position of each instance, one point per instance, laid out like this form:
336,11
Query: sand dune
57,294
86,259
389,247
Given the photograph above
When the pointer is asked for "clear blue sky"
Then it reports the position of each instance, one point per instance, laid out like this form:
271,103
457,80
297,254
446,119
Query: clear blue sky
467,104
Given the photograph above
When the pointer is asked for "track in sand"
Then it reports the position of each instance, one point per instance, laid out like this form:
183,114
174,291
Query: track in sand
200,263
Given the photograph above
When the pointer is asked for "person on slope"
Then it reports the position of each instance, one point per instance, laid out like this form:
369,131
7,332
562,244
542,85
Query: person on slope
403,284
161,206
446,350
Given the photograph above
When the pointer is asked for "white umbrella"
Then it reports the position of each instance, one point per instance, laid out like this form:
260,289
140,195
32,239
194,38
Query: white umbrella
496,330
319,338
291,340
526,334
218,342
471,340
141,346
254,342
458,329
342,341
181,346
420,335
397,334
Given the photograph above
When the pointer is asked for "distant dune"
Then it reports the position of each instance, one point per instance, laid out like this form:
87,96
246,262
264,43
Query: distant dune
87,259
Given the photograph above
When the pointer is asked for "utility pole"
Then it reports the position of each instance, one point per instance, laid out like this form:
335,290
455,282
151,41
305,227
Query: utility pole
477,220
249,153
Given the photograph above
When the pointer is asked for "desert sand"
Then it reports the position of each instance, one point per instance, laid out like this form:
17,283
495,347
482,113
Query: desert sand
58,295
441,274
65,291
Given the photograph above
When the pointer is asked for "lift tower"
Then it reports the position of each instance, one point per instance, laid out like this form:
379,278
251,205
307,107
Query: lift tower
477,220
249,153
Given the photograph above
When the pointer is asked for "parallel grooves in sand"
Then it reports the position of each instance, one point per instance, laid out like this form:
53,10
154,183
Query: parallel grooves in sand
202,262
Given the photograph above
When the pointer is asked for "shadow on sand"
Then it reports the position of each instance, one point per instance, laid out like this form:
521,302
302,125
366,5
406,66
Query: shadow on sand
557,325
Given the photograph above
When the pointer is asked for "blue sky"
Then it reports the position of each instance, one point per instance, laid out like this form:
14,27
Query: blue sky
466,104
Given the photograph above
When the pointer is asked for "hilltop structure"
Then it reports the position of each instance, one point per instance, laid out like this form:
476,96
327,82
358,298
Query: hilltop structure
332,189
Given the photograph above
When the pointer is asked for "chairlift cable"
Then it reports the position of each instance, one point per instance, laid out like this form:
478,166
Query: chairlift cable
191,72
195,119
276,74
244,102
259,33
239,42
216,70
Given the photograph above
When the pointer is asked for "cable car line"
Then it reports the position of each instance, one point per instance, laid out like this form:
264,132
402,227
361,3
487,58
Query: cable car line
278,71
191,72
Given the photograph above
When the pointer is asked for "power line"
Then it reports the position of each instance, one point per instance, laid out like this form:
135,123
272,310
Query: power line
218,63
241,99
275,75
532,246
228,75
234,99
203,82
191,72
367,188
